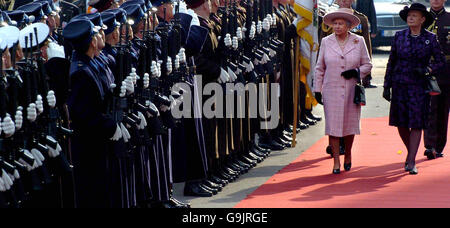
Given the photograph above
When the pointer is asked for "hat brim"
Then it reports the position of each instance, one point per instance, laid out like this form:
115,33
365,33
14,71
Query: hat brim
429,18
330,17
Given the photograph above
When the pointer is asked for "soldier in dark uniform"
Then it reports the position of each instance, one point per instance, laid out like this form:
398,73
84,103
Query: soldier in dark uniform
68,11
436,134
93,128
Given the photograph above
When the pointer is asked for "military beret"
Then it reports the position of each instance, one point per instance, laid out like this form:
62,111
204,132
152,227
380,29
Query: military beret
194,3
79,32
121,14
134,12
157,3
109,19
33,9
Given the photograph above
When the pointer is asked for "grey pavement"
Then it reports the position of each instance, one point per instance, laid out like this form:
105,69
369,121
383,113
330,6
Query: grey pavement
234,192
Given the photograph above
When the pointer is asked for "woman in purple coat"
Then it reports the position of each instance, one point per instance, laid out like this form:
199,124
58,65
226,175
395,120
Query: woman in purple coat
409,62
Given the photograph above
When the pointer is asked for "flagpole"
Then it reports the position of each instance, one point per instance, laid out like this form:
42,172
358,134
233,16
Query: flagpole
296,86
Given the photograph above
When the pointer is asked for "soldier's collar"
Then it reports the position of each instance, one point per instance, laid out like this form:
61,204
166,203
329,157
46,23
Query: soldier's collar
437,13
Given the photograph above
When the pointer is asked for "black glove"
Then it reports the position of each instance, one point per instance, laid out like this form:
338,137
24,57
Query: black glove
420,71
348,74
387,93
318,96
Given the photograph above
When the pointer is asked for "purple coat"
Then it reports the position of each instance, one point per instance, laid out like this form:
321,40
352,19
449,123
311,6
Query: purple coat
407,55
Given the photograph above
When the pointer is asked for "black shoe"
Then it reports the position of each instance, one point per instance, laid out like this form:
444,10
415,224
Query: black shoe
286,138
302,126
218,180
258,153
222,175
336,171
287,133
236,166
312,116
213,190
414,171
230,172
439,155
348,166
179,204
196,190
406,167
264,150
308,121
282,142
245,165
247,161
430,153
253,156
370,86
212,185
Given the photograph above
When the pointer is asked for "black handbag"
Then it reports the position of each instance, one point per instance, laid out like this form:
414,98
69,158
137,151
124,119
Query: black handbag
360,93
432,86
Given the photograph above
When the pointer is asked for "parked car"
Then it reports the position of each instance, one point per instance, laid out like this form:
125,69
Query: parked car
388,20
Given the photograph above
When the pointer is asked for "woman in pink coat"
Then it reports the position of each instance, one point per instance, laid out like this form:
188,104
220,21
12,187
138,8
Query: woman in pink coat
343,59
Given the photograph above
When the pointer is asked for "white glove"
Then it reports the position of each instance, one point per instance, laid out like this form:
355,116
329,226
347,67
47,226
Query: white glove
169,65
126,135
269,19
265,58
51,99
39,104
123,89
31,112
130,85
19,118
274,20
8,126
182,55
154,69
235,43
2,185
38,157
117,135
252,31
6,180
239,33
133,76
248,66
227,40
224,76
54,50
272,53
143,123
146,80
177,62
232,75
259,27
153,106
266,24
158,64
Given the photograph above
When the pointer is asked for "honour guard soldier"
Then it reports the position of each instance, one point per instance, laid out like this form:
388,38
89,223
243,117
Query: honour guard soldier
93,129
436,134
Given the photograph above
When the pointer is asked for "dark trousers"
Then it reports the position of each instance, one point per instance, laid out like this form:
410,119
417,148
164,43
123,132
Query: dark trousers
436,134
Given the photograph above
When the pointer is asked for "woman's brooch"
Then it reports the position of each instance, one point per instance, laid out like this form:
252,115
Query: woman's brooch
355,41
427,42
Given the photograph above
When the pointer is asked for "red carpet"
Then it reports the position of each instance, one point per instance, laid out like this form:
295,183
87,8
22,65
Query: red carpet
377,178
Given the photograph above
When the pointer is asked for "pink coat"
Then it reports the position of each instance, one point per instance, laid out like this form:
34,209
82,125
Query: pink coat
342,116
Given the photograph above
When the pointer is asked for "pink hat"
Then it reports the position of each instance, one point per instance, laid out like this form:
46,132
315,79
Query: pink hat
342,13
